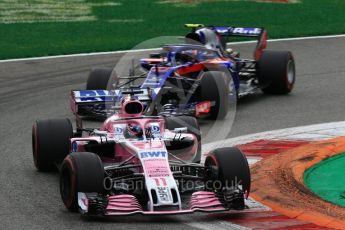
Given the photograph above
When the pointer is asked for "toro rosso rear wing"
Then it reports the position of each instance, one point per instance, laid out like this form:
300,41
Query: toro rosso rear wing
229,31
99,103
239,31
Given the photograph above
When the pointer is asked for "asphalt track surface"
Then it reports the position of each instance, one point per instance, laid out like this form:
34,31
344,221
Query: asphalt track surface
38,89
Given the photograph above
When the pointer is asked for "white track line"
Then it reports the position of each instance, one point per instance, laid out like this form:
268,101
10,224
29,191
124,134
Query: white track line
309,132
153,49
215,225
77,55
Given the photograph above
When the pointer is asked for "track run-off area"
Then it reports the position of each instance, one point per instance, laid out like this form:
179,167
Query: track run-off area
39,88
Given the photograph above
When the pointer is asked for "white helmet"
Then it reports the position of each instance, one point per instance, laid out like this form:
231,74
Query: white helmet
206,37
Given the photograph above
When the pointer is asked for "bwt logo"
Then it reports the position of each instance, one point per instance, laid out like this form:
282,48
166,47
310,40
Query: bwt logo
153,154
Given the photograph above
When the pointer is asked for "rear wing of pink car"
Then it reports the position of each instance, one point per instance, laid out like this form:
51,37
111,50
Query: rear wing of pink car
98,102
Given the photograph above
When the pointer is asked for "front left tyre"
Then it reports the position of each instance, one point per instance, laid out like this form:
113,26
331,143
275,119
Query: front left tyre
228,170
50,142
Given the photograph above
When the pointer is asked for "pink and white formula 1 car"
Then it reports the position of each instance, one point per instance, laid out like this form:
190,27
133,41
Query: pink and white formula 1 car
137,164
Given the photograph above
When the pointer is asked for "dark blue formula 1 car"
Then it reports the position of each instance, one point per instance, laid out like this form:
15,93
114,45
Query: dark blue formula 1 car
201,78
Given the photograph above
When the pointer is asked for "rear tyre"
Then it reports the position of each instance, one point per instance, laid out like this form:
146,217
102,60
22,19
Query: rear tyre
98,79
50,142
230,167
276,72
80,172
213,87
192,125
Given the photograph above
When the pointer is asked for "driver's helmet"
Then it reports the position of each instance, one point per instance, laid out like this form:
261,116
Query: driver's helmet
206,37
134,131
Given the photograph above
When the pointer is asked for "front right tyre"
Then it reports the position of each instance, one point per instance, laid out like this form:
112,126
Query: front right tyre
214,88
80,172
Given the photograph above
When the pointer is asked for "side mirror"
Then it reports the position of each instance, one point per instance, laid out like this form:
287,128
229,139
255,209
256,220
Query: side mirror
100,133
181,130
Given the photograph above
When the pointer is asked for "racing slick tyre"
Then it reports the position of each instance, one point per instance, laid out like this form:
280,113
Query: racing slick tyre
213,88
276,72
98,79
50,142
230,168
80,172
192,125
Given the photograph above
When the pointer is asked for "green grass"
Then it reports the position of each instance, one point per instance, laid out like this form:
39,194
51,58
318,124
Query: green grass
122,26
326,179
